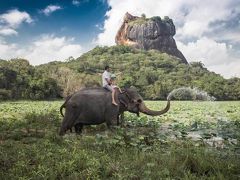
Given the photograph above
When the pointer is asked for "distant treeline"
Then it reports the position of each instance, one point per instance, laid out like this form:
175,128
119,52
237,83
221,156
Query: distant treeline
153,73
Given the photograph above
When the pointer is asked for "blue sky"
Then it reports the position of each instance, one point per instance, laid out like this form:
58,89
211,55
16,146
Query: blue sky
76,19
44,31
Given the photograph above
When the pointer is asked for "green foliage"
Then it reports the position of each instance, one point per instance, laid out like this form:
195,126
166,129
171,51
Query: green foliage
139,21
146,148
5,94
20,80
153,73
156,18
143,16
166,18
43,88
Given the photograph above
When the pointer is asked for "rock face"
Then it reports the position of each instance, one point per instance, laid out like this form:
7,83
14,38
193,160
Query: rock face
152,33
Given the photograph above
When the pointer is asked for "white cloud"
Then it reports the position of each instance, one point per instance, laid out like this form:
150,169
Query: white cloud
8,51
228,70
13,18
7,31
50,9
215,56
227,35
201,14
192,20
47,48
75,3
99,26
206,50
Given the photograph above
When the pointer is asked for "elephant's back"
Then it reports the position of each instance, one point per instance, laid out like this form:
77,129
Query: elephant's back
93,91
91,98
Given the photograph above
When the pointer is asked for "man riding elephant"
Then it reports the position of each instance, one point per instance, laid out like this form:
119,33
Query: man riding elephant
108,83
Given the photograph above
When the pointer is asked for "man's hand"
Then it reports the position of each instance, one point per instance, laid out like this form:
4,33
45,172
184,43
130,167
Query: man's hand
108,81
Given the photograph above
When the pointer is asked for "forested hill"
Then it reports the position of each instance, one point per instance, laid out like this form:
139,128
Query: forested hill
154,74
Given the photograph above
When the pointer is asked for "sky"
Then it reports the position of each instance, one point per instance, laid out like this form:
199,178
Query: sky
49,30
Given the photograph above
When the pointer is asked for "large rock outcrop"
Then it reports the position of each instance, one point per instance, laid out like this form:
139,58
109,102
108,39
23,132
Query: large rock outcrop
149,33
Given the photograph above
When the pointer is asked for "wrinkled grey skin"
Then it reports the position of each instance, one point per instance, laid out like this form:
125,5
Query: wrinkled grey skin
92,106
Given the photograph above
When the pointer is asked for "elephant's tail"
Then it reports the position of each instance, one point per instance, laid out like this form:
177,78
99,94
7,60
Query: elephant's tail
64,105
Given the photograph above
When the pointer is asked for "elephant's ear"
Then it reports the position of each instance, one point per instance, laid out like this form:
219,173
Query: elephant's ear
123,102
124,98
134,88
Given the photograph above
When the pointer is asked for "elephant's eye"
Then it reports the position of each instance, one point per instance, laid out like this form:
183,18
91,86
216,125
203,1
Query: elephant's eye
139,101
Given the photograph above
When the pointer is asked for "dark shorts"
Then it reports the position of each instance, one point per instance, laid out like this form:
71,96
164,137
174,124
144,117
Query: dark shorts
108,87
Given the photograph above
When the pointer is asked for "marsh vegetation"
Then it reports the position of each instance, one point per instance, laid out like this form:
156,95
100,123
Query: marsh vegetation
193,140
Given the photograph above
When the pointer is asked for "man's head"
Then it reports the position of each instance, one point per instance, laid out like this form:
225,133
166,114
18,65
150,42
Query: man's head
107,68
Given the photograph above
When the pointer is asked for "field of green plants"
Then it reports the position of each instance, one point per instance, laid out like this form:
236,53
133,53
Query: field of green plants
194,140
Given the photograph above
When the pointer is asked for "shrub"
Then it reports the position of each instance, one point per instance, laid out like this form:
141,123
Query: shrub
156,18
166,18
5,94
143,16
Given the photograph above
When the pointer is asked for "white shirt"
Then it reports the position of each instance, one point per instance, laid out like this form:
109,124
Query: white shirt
105,75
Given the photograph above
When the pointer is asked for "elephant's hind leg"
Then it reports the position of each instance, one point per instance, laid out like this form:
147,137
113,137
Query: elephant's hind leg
78,128
67,122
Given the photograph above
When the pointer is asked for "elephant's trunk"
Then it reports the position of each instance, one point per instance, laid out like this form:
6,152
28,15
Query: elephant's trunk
147,111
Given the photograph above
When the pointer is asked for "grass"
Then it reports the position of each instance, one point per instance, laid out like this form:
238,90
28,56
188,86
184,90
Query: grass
146,148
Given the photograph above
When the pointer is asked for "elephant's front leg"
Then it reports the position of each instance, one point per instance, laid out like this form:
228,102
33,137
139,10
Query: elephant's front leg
118,120
111,116
111,122
121,119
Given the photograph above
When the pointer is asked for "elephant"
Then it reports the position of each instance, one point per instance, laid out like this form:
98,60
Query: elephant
92,106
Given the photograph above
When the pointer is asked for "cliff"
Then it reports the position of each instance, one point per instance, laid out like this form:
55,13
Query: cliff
149,33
